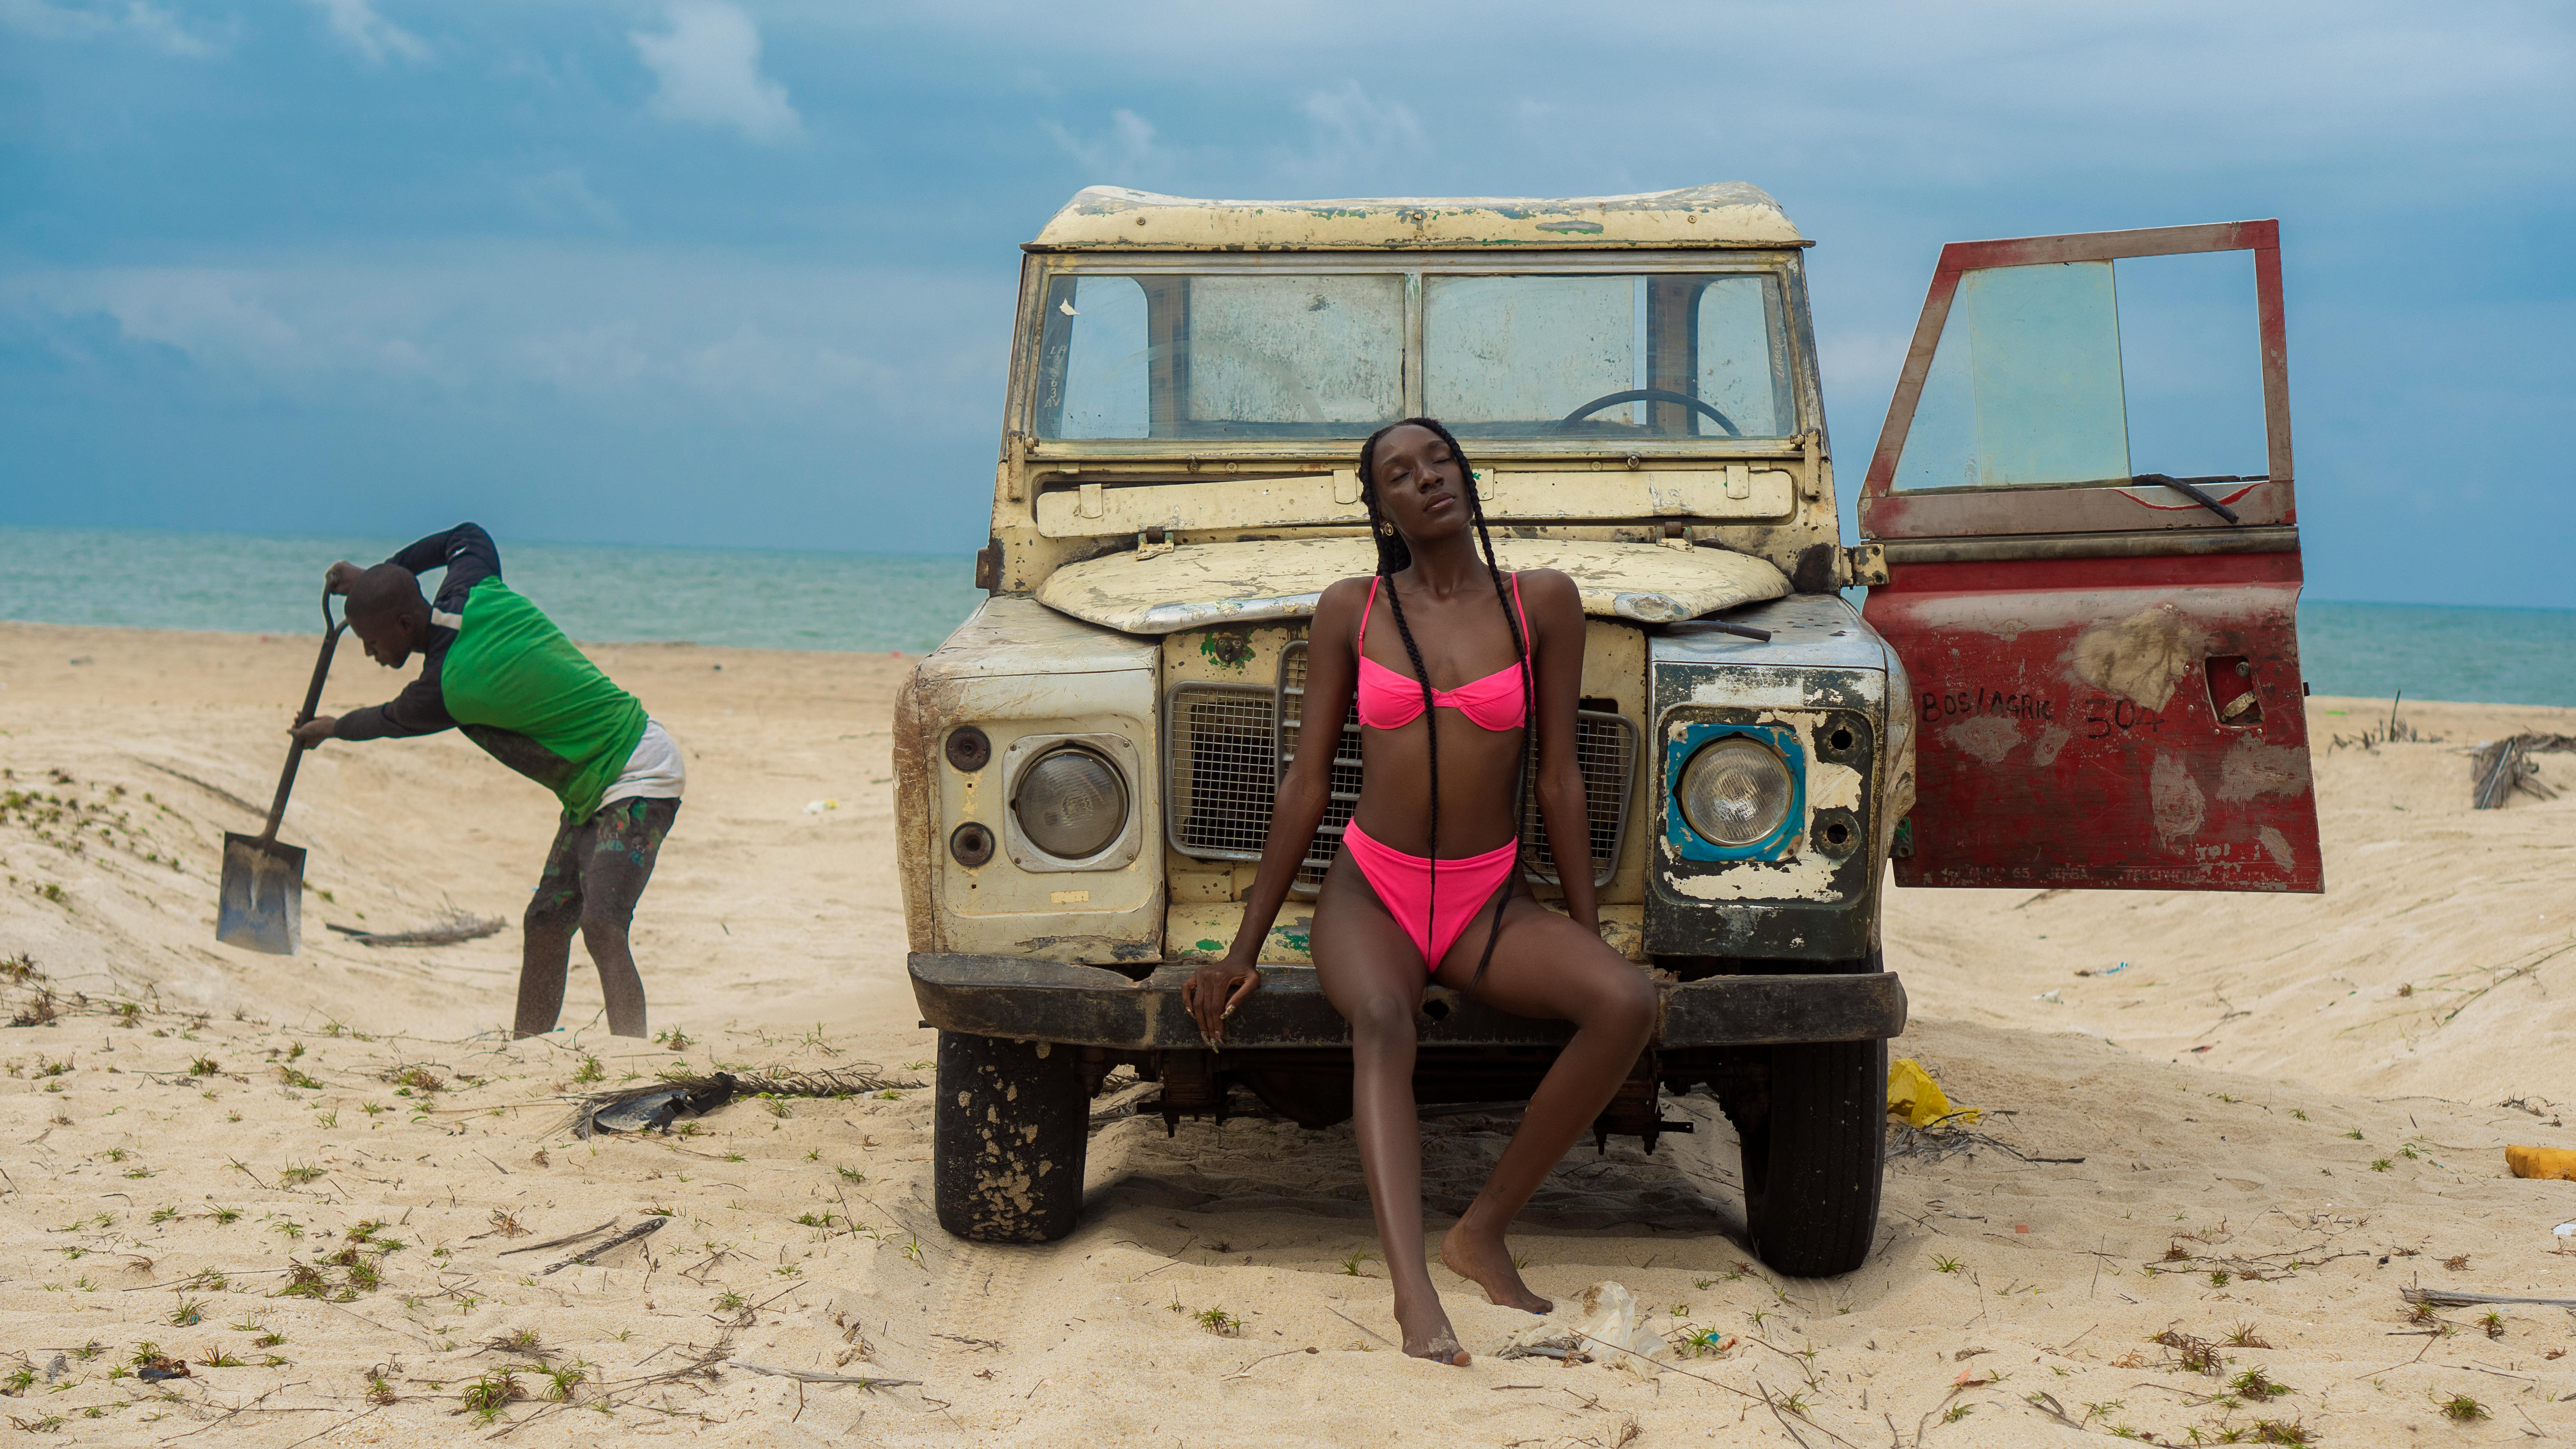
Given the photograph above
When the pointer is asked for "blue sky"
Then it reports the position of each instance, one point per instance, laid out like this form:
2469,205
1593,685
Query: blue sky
690,271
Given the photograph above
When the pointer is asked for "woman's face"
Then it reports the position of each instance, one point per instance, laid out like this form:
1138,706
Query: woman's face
1421,486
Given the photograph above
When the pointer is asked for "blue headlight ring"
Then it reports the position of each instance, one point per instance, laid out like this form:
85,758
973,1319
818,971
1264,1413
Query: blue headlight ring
1689,844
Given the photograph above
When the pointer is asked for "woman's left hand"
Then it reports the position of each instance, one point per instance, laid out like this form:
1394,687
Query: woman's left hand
1212,993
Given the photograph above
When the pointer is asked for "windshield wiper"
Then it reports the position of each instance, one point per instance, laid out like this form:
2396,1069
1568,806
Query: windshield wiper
2189,487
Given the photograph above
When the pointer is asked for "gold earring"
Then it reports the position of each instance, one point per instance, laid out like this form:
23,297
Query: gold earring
1386,530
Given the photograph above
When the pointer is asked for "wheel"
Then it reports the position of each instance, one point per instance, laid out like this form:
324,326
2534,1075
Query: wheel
1812,1161
1007,1139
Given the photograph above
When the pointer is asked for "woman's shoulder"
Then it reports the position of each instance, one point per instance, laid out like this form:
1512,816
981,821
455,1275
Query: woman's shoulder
1544,587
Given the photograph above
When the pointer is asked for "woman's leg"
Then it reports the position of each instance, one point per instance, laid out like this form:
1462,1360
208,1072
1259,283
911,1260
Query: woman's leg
614,871
1545,966
1372,973
545,936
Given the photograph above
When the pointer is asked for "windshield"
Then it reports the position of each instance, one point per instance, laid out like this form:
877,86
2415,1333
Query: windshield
1268,355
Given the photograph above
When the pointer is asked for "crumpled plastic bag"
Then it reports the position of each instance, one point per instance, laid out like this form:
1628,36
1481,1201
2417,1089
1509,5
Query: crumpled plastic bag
2558,1162
1595,1324
1914,1096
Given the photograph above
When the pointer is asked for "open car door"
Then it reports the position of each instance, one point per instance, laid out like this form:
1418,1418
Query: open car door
2083,494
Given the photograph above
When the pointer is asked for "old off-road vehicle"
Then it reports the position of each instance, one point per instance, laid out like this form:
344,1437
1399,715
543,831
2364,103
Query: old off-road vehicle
2069,672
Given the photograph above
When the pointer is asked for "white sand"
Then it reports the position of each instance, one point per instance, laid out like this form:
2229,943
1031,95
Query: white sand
773,936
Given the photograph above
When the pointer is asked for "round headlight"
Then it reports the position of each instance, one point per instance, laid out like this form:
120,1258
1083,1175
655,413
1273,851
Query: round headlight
1735,791
1071,803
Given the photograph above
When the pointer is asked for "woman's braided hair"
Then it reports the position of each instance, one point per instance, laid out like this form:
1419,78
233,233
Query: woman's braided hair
1394,555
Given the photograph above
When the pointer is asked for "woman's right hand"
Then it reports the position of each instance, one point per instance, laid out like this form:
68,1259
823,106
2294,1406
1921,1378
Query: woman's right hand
1214,990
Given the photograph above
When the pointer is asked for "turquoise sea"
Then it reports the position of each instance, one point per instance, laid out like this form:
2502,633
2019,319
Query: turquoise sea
784,599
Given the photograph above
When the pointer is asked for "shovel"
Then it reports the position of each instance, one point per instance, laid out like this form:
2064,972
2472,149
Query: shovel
260,906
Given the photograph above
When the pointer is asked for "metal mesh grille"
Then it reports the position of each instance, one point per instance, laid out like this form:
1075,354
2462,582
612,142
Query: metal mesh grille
1345,795
1219,770
1606,747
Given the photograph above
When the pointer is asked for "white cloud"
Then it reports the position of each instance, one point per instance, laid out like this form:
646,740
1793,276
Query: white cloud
361,29
161,29
707,71
1356,135
562,197
1126,152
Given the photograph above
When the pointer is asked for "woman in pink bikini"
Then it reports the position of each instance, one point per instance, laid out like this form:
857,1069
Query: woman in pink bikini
1467,684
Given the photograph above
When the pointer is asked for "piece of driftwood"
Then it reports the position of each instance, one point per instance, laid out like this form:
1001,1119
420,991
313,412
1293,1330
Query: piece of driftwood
802,1377
644,1229
2446,1298
559,1242
453,927
656,1104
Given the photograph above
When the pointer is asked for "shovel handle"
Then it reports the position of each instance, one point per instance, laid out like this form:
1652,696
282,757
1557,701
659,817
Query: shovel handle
312,701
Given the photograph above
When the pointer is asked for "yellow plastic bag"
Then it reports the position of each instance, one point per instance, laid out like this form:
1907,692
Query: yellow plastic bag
1914,1096
2525,1161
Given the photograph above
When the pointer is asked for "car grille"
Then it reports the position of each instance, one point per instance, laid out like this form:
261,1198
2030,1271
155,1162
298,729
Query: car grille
1220,785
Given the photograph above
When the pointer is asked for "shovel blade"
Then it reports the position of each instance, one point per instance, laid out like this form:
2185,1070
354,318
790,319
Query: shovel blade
261,904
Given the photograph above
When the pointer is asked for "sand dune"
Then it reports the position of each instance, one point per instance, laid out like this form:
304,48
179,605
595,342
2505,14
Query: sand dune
223,1170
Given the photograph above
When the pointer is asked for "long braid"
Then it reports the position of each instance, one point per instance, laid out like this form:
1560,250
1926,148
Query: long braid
1393,555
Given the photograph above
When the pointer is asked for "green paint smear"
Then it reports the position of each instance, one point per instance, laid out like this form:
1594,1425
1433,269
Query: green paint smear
1210,946
1227,649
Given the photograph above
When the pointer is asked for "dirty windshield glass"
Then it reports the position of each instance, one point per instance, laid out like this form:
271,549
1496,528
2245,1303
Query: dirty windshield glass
1162,355
1591,356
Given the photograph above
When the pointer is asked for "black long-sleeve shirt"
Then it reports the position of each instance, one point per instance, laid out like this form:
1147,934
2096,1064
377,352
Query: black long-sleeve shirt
469,556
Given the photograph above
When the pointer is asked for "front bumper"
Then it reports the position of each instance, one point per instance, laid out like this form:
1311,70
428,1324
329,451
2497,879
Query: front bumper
1031,1000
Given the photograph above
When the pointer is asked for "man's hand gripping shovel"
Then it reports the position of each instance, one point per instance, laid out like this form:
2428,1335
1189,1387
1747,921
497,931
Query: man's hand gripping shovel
261,903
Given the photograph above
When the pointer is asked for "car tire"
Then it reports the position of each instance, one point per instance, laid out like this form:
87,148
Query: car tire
1812,1161
1007,1139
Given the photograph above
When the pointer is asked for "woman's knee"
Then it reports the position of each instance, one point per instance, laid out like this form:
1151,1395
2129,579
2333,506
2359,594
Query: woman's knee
1623,1002
1380,1017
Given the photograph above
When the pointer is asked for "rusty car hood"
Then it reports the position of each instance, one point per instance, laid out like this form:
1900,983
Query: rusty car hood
1195,585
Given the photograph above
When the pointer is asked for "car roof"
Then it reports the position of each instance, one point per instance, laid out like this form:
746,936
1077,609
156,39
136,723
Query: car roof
1723,214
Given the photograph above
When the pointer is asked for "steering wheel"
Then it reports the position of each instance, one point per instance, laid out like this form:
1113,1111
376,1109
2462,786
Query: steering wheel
1648,394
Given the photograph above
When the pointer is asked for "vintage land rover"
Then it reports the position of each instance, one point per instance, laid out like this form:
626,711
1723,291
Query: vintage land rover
2069,672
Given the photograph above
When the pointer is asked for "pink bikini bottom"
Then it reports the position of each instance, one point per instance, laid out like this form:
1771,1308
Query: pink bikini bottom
1403,883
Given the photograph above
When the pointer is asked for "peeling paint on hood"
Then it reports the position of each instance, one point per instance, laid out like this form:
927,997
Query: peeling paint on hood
1196,585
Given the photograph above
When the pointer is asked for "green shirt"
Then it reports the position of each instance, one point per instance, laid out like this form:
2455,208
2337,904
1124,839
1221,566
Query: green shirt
511,669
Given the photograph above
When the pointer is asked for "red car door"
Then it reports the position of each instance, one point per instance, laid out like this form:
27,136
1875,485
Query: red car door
2102,639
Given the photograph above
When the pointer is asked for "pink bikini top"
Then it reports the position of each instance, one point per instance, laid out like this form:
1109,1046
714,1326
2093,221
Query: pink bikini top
1389,700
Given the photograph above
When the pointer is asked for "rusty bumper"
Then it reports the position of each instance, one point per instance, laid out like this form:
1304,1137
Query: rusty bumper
1052,1001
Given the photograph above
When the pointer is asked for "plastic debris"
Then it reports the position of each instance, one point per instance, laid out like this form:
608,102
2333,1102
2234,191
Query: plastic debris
2053,998
1598,1323
655,1110
1914,1096
817,807
2557,1162
2565,1230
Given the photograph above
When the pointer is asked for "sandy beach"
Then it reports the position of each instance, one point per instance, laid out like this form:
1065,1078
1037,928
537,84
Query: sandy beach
2222,1134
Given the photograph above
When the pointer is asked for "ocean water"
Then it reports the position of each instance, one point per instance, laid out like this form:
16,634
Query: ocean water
785,599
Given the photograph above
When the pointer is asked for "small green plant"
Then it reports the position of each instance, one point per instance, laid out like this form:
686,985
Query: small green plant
1956,1412
2257,1385
227,1216
295,1051
563,1379
2354,1134
676,1039
116,1154
2220,1278
270,1339
730,1302
2493,1323
188,1314
1702,1342
294,1078
298,1174
852,1173
204,1067
1218,1321
487,1396
2381,1164
1351,1262
590,1071
2244,1336
19,1381
162,1215
218,1358
380,1390
2460,1408
1941,1263
2273,1431
305,1281
2295,1112
327,1119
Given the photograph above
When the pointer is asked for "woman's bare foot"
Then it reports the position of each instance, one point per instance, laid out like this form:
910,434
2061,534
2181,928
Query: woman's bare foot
1427,1334
1486,1261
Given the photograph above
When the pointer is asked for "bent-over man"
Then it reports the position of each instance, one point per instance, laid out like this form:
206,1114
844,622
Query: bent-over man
498,669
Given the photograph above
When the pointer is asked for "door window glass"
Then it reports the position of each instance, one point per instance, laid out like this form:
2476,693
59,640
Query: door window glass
2092,372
